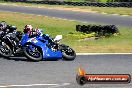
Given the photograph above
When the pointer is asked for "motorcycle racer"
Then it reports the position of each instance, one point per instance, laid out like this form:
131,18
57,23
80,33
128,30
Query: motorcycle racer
28,29
31,32
7,28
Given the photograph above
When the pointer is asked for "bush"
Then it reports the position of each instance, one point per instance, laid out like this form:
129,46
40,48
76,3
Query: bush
106,30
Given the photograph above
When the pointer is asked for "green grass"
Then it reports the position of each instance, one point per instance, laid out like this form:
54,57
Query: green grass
54,26
110,10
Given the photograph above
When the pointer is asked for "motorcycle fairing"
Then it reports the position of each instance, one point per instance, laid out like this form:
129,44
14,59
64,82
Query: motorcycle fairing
48,54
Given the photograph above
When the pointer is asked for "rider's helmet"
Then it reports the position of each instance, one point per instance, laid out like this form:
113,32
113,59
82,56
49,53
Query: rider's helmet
12,28
28,29
3,25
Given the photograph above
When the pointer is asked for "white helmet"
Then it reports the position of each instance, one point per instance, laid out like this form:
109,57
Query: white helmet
28,28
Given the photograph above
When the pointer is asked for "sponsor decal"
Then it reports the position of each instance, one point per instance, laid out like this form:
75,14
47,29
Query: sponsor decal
32,40
83,78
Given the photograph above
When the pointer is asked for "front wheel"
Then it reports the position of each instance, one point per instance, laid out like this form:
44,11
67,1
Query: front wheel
32,52
68,53
5,50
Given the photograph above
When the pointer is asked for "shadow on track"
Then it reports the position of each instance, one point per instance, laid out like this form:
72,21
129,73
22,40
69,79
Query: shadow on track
18,58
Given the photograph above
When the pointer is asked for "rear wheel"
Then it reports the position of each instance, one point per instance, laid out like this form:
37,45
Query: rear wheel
5,50
32,52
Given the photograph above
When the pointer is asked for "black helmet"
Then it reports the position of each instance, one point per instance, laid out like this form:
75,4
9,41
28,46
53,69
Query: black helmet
12,28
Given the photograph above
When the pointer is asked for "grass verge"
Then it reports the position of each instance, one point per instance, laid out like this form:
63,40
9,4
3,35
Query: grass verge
109,10
54,26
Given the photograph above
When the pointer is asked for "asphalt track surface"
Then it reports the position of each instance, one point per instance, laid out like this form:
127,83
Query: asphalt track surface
72,15
21,73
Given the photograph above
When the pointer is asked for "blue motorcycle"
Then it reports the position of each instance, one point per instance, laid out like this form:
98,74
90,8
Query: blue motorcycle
43,47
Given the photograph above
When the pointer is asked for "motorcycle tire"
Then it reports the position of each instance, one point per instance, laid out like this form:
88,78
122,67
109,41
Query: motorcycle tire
5,50
31,57
69,56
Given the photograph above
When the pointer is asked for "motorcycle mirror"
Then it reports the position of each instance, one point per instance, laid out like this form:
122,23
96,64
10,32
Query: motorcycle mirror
58,38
